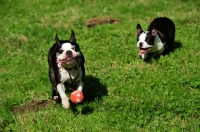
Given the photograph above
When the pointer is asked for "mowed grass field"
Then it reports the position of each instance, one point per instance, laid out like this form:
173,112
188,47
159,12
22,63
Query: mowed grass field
122,92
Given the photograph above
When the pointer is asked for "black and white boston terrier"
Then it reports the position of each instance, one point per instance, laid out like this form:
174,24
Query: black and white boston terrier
66,65
158,38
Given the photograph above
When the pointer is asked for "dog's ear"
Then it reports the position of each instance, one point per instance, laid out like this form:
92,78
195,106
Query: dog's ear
139,29
153,32
57,40
72,38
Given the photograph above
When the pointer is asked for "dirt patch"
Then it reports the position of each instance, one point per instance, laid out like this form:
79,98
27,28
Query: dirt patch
32,106
92,22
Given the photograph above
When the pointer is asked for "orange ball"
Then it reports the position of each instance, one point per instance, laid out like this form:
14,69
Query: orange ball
76,96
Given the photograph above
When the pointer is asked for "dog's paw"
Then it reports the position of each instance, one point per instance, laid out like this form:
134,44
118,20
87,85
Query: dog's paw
139,54
55,98
65,103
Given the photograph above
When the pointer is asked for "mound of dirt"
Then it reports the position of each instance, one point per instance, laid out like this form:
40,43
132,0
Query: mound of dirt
92,22
31,106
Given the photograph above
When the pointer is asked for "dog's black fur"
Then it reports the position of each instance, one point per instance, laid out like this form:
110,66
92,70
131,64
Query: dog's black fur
166,28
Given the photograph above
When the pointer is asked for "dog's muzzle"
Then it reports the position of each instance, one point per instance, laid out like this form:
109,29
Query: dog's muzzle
69,54
140,44
142,49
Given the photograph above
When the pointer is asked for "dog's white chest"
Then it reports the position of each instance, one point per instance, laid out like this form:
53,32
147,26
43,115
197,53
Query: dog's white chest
66,76
158,45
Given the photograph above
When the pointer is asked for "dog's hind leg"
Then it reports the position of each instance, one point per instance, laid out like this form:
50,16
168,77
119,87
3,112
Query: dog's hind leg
55,95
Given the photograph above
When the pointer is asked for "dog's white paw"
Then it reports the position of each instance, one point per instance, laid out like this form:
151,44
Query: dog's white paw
55,98
65,103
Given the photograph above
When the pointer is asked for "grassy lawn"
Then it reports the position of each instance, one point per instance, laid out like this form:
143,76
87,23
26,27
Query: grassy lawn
122,92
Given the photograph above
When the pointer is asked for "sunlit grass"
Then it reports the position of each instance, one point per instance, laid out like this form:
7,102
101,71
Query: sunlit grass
122,93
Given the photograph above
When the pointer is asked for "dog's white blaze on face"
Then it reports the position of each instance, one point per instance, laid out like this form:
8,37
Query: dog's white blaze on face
67,46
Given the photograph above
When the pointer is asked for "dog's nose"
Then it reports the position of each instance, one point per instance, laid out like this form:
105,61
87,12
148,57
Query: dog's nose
140,44
69,53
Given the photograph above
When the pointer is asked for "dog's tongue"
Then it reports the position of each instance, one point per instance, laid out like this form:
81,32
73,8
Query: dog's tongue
144,50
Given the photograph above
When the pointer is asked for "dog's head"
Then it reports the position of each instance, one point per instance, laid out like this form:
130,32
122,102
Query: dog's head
68,50
145,40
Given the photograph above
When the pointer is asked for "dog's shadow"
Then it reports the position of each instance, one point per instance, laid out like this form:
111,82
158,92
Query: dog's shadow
169,50
93,90
175,45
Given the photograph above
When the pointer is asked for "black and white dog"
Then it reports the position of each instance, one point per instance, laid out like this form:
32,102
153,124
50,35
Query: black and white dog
159,36
66,65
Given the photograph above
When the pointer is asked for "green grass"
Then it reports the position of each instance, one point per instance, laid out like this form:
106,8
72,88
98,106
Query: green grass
122,92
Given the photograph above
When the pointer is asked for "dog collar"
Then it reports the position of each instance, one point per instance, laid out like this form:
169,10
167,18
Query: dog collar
76,67
72,68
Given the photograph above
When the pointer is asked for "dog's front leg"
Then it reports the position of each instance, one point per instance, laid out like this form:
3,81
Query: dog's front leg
144,56
80,85
63,96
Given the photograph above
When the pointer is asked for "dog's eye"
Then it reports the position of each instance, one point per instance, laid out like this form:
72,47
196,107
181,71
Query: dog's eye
60,51
73,48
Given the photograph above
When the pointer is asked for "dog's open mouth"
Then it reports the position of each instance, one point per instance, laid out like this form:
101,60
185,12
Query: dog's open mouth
68,59
144,50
